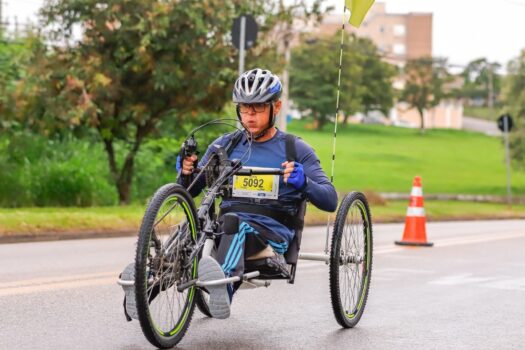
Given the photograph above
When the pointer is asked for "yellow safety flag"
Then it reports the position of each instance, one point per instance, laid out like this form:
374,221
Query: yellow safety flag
358,10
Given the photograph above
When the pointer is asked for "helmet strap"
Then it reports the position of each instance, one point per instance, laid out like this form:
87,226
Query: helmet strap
270,124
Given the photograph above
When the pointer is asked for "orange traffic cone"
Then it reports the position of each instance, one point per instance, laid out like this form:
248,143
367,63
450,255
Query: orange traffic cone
415,224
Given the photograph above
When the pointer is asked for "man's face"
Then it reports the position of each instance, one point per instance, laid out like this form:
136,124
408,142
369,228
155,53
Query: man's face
256,116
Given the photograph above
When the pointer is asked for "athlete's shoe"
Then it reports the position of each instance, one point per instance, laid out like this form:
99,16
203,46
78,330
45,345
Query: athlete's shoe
278,263
210,270
130,307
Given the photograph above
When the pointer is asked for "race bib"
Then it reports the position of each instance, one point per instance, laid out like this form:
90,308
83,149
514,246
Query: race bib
256,186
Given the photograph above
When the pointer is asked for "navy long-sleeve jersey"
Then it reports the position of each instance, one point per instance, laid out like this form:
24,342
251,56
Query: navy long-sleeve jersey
271,154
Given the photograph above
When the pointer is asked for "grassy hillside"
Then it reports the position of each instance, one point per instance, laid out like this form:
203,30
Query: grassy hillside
482,112
36,171
385,159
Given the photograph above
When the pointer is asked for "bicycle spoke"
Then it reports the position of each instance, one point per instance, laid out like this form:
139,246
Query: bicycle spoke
353,255
165,302
166,213
348,266
170,305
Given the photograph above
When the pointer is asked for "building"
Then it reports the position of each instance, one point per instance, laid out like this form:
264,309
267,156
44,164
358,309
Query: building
399,37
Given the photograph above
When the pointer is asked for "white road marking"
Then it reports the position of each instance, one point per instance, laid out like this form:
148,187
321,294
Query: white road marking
38,285
466,278
508,284
477,239
499,282
452,242
44,284
403,271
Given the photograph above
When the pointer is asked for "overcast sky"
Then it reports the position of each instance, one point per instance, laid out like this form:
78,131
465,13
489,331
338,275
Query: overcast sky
463,29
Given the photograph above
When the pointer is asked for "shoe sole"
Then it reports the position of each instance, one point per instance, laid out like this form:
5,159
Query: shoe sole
131,307
219,304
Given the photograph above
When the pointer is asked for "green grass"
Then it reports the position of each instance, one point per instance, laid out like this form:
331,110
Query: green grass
70,219
386,159
482,112
64,222
369,157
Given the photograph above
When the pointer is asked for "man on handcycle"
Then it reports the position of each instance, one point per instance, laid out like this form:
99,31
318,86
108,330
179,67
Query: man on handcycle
260,218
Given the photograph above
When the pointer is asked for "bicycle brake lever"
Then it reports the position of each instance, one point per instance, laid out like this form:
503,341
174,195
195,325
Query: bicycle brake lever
189,148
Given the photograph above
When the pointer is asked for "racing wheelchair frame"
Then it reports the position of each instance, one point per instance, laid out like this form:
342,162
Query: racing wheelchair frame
162,286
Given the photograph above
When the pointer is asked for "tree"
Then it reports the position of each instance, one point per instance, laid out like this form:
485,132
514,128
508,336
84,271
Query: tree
514,99
378,92
424,86
365,80
14,55
481,81
138,64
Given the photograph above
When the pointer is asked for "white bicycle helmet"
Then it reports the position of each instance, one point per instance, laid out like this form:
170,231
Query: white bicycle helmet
257,86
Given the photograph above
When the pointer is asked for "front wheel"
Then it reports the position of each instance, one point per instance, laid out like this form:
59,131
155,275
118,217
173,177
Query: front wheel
202,299
351,259
167,237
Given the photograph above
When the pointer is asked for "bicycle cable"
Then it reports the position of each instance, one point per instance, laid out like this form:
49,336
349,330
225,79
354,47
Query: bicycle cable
222,121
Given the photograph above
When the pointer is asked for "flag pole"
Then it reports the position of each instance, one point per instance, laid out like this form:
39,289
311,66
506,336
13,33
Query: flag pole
335,121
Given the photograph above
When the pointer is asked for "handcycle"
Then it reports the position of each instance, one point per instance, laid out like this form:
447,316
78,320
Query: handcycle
162,286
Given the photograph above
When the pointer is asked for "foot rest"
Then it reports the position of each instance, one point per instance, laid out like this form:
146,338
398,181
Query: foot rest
270,268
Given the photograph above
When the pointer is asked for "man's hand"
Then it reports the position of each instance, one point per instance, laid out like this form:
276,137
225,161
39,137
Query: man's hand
294,174
187,164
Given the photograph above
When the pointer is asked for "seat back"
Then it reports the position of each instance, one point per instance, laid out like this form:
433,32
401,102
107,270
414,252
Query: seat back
292,254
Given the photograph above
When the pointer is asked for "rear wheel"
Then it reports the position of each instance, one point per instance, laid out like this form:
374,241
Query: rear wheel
351,259
167,237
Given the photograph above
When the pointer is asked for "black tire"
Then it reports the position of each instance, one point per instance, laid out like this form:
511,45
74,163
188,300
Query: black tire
161,324
202,299
351,252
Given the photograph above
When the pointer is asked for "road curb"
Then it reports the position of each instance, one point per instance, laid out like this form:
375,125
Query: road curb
61,236
74,235
456,197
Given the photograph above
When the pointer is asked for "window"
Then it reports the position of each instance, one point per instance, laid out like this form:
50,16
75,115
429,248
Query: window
399,30
399,49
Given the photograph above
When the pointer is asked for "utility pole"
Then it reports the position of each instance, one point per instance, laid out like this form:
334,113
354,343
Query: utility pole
1,20
506,129
16,28
286,83
241,45
490,101
288,37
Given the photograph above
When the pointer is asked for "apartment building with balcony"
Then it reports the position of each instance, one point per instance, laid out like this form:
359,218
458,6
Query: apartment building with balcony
400,37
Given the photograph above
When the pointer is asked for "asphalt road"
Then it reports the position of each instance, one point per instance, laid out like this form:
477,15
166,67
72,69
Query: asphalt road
467,292
480,125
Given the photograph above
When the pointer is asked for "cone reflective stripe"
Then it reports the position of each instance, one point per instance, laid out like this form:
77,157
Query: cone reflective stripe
415,233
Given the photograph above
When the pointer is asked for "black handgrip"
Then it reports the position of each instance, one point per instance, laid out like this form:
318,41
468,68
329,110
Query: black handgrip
189,148
244,172
269,171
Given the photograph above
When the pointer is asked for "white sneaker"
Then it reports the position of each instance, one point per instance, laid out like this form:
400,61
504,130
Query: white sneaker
210,270
130,307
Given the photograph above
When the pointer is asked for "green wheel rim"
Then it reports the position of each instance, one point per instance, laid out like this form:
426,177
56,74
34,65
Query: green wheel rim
191,291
